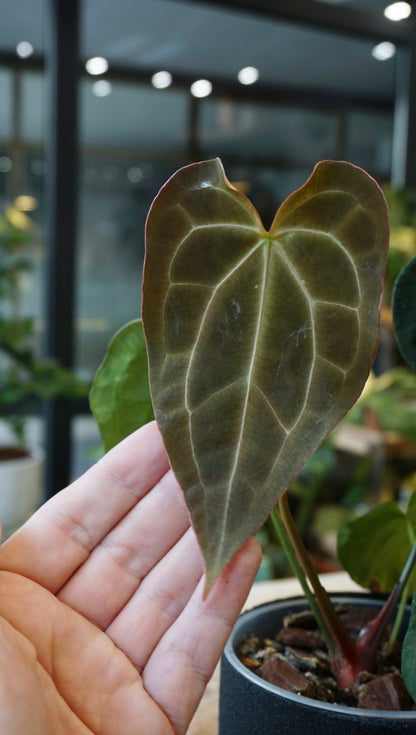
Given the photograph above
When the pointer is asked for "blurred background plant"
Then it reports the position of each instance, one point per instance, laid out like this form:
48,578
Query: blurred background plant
24,377
402,212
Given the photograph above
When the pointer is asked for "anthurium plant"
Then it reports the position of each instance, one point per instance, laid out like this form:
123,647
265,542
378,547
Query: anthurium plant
258,343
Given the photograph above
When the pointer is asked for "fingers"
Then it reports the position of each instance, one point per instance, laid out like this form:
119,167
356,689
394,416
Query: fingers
159,601
101,587
22,708
62,534
192,645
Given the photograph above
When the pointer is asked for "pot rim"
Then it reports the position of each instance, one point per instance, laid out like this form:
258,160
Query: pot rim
34,455
230,654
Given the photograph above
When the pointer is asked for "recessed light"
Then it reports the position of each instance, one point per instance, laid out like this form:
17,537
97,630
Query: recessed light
101,88
398,11
201,88
135,174
162,79
24,49
96,65
248,75
6,164
383,51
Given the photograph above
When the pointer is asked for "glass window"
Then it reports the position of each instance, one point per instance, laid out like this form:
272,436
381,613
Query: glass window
86,444
22,20
133,115
115,196
369,141
33,110
6,104
280,134
267,187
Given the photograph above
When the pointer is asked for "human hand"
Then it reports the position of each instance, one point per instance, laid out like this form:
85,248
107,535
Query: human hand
103,625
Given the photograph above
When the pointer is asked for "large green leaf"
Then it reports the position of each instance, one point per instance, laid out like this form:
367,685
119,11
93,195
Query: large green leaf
258,342
404,312
408,652
120,397
373,549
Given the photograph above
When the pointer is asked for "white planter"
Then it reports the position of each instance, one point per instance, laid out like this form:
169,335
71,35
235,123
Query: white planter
21,490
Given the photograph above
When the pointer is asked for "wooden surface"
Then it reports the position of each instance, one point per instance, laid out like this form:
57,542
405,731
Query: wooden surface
205,721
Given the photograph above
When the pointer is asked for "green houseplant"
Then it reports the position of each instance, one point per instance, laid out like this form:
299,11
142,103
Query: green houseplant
24,381
258,343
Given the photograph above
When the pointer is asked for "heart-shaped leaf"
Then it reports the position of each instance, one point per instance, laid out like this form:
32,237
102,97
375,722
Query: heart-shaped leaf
404,312
373,549
120,396
258,342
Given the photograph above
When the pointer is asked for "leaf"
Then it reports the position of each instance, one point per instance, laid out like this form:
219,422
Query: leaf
373,549
408,667
404,312
120,397
258,341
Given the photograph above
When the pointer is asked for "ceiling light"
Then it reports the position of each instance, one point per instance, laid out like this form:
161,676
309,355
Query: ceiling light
162,79
201,88
38,167
5,164
383,51
398,11
102,88
135,174
96,65
248,75
24,49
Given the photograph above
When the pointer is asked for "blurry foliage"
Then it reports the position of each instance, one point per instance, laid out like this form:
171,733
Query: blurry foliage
22,375
391,398
402,212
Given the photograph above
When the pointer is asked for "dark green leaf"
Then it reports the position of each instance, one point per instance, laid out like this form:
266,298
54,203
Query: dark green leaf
373,549
119,397
259,342
404,312
409,653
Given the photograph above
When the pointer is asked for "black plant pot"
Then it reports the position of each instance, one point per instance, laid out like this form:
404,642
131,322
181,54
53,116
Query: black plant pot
251,706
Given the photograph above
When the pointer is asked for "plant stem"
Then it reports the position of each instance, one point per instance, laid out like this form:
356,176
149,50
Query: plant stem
405,594
342,646
299,573
370,637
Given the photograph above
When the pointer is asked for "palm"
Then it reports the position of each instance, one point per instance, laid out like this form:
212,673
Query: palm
103,593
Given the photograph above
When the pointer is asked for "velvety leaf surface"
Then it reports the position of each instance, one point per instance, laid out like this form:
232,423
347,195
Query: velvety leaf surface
258,342
404,312
374,549
409,653
120,396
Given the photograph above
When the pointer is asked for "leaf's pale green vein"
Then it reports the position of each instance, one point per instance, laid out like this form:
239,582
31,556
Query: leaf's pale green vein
226,278
291,267
217,288
336,303
332,364
254,352
322,233
211,226
311,303
190,283
266,255
221,391
272,408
